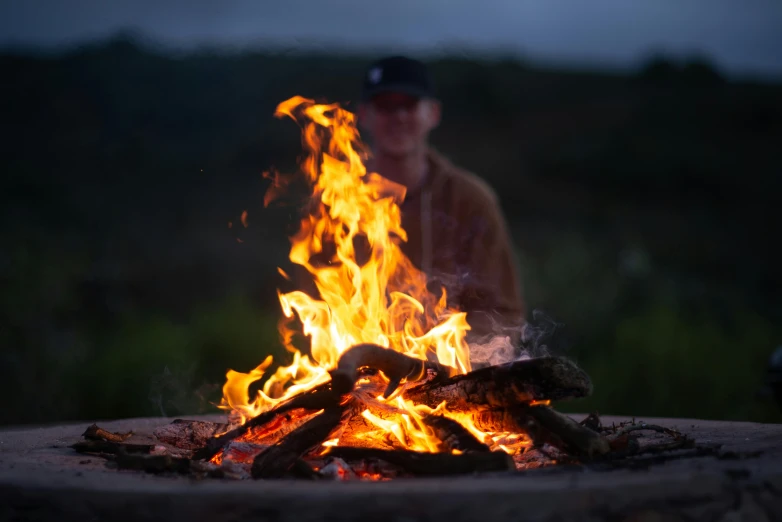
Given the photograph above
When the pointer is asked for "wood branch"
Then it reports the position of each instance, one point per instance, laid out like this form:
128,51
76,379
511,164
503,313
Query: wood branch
593,422
577,438
94,432
318,398
189,434
649,427
507,385
644,458
106,447
395,365
453,436
429,464
278,460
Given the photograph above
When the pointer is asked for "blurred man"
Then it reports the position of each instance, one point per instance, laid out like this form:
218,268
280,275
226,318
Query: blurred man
457,233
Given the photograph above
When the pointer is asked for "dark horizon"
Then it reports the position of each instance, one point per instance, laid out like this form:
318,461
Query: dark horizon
150,45
741,41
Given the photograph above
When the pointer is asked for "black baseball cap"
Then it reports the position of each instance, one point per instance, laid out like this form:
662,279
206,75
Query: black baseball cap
398,74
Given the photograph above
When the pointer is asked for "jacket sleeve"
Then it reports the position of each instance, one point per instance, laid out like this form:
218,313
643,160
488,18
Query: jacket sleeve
492,292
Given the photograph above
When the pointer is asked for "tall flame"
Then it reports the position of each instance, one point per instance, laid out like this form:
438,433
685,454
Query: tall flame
370,292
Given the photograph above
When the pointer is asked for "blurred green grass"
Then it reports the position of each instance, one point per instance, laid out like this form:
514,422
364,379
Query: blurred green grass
662,357
651,350
57,366
667,362
644,206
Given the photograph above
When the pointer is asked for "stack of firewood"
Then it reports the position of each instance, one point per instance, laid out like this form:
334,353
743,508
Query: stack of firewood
293,438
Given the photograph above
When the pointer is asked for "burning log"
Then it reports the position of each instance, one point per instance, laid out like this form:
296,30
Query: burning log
359,432
395,365
516,420
506,386
453,436
510,420
189,434
242,452
315,399
544,425
279,459
429,464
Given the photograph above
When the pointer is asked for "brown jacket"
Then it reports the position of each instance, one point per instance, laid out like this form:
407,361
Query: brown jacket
457,234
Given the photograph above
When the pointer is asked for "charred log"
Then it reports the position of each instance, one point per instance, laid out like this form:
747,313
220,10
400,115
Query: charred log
429,464
540,457
318,398
578,439
395,365
189,434
301,469
453,436
506,386
280,459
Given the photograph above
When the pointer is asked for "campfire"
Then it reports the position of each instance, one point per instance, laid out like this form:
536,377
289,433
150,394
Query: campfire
387,388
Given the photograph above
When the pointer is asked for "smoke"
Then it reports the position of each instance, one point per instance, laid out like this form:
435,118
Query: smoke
173,392
536,333
493,351
531,340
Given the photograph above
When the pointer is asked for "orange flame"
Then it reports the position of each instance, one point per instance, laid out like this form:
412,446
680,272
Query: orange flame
409,430
370,292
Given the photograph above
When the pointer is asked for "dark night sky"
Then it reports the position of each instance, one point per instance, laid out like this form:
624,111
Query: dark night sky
742,36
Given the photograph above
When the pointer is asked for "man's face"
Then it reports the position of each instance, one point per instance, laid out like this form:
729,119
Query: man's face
399,123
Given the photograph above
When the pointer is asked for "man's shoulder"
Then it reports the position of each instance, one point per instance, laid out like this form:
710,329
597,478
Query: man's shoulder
459,179
463,184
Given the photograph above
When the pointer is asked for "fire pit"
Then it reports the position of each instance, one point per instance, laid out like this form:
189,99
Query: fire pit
331,431
388,388
734,472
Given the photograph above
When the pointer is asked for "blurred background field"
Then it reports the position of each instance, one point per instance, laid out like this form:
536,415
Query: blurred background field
644,205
